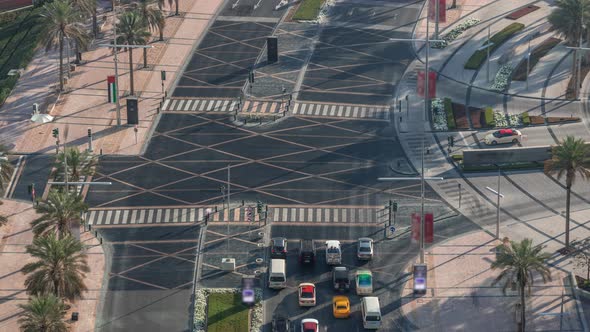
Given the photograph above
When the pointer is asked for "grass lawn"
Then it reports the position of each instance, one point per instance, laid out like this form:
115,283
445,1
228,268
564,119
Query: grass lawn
308,10
225,313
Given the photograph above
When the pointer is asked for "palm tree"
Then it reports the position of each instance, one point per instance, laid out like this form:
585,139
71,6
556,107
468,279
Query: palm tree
153,18
60,213
567,19
570,158
79,163
518,262
132,31
43,313
60,268
6,168
62,21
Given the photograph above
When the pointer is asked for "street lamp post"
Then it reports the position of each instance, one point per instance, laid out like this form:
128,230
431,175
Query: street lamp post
528,64
116,60
498,196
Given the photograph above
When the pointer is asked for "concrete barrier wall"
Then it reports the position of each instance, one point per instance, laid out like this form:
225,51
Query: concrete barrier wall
484,157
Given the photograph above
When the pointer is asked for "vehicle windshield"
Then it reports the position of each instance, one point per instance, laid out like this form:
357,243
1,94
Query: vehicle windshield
365,249
341,307
277,279
307,295
279,248
497,134
333,250
364,279
373,318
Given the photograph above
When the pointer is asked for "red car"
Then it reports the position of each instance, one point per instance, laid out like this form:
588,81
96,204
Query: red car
310,325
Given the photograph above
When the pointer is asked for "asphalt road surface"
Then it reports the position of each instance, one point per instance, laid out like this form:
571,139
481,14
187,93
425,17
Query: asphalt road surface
150,278
293,161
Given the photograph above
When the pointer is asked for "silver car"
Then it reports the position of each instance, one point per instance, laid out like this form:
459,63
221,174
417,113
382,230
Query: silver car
503,136
365,248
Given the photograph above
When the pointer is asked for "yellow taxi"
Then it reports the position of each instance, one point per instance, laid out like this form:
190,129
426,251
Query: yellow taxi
341,306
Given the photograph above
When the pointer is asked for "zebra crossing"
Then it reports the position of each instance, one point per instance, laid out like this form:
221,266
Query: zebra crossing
200,105
346,111
275,107
319,215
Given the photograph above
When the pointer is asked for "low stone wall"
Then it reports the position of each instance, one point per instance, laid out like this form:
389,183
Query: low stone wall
484,157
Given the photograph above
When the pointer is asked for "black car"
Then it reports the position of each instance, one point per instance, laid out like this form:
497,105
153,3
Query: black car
281,324
307,252
278,247
340,278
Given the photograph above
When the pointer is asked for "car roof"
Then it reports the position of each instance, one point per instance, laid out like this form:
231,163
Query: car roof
507,131
333,243
278,239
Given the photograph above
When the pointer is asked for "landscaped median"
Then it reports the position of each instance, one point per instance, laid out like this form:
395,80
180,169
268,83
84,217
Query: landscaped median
537,53
221,310
308,10
477,59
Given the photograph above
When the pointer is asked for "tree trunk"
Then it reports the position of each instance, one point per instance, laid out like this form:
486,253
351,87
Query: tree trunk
161,34
567,216
145,58
575,69
61,63
94,22
177,7
522,308
113,5
131,72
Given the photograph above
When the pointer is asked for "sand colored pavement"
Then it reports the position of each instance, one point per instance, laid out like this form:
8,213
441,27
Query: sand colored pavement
15,235
460,295
84,104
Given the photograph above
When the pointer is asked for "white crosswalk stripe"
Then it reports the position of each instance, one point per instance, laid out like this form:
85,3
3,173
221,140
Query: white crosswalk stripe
327,215
339,111
139,216
199,105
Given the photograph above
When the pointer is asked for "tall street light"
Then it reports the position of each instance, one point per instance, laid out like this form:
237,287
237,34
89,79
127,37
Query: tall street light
116,47
498,196
426,109
528,64
487,47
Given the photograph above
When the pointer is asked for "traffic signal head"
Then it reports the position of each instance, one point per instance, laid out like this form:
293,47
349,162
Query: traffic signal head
89,132
55,132
394,206
259,207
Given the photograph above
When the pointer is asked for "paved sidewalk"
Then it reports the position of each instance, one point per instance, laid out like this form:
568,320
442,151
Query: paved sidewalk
15,235
460,293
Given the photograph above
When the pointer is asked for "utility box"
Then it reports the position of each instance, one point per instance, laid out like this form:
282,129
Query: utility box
132,111
228,264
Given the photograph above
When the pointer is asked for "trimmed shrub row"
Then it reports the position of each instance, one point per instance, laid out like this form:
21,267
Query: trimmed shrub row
526,120
449,111
489,117
477,58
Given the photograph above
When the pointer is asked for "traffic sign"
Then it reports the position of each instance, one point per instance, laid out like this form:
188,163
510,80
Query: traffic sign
392,229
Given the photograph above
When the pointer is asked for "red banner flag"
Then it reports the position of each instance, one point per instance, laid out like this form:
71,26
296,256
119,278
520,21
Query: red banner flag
415,228
421,85
442,10
428,228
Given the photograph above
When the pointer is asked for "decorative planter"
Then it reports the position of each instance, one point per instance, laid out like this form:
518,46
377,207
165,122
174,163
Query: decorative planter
259,261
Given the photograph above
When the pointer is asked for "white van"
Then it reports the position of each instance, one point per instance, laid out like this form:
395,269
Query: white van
277,276
333,252
371,312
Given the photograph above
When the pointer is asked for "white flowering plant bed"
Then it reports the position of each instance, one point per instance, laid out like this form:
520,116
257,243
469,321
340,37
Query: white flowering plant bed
455,33
439,116
502,78
200,318
500,119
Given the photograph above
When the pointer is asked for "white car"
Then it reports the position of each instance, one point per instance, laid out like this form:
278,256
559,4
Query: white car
306,294
310,325
333,252
364,282
365,248
503,136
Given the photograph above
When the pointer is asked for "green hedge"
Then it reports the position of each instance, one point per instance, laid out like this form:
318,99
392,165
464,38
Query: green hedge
477,58
6,86
449,111
526,120
308,10
489,116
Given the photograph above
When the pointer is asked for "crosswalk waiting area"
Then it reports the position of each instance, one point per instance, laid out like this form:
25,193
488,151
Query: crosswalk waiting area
103,217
